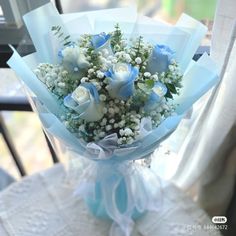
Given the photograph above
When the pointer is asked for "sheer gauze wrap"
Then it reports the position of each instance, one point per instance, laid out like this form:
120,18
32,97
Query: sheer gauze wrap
112,185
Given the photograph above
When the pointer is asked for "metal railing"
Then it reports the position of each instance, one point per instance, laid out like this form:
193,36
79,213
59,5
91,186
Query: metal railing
19,104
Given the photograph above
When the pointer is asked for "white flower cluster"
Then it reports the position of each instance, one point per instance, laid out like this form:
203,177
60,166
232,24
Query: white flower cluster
112,85
56,78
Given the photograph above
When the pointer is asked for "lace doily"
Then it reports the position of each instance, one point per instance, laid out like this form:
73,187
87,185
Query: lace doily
44,205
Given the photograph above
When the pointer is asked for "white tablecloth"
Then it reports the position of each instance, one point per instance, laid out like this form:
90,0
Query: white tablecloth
44,205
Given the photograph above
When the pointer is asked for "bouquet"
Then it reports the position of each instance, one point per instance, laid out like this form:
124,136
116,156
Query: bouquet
111,90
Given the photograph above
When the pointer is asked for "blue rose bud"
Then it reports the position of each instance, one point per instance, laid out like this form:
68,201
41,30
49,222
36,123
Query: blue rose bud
101,43
73,59
121,80
85,101
100,40
160,59
158,92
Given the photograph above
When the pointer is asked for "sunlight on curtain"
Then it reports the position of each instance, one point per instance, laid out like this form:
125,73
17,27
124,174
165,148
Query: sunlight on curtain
203,159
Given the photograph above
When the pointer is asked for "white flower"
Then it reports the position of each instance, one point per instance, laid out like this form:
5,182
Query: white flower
104,121
147,74
54,75
128,58
114,61
138,60
100,74
102,134
111,110
165,106
158,116
112,121
64,73
130,140
105,52
104,110
117,109
66,123
82,128
73,58
90,71
119,141
121,132
103,97
84,79
155,77
108,127
81,95
121,123
171,68
128,132
61,84
85,101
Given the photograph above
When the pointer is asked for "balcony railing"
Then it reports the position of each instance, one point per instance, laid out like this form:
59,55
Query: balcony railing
18,104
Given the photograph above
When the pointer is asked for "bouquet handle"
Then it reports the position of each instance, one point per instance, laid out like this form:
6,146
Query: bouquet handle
121,192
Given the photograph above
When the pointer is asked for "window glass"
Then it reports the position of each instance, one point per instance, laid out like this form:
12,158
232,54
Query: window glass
168,10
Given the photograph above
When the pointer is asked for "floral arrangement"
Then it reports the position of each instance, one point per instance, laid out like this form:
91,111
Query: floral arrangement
112,98
109,85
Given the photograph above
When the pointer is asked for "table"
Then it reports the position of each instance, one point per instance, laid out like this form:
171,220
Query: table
44,204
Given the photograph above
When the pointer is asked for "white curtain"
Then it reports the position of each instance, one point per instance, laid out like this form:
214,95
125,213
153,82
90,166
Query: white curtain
204,160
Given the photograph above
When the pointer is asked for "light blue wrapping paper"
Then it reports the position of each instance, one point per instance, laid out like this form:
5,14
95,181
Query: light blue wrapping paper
112,186
17,63
39,23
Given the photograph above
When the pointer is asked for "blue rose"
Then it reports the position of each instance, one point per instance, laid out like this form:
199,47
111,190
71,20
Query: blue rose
72,58
121,80
85,101
158,92
101,43
99,40
160,59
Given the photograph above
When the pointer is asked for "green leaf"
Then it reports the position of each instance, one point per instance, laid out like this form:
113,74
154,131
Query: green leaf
60,35
146,89
172,88
67,43
142,86
168,94
150,83
67,37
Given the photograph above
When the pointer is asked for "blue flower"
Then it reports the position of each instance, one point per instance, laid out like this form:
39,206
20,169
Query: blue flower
85,101
99,40
160,59
158,92
72,58
121,80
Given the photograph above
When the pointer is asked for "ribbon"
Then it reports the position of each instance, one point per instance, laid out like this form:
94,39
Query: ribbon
121,192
